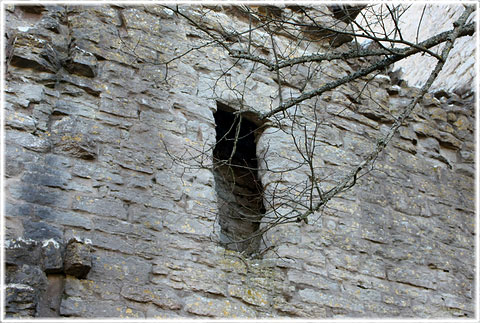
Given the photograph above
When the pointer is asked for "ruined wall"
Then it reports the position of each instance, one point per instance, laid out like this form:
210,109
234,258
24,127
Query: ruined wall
102,220
416,22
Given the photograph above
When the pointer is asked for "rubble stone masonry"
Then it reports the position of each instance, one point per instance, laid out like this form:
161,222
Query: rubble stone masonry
103,218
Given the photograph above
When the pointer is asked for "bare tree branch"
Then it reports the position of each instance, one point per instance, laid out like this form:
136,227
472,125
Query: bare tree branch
382,142
433,41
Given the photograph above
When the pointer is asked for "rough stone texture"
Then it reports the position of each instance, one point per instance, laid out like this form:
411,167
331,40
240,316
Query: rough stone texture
69,136
90,136
49,302
458,74
20,300
78,260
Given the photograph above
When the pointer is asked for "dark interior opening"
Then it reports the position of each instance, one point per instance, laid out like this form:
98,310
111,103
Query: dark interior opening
239,190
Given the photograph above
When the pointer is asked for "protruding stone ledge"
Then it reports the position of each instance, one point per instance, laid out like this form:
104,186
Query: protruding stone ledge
78,260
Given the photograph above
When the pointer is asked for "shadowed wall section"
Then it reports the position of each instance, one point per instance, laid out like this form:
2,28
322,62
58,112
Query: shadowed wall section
238,189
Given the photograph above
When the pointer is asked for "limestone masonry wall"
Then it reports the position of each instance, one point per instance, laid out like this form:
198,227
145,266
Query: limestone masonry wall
102,218
459,72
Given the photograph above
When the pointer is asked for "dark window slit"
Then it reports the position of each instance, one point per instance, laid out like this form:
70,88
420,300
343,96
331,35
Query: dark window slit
239,191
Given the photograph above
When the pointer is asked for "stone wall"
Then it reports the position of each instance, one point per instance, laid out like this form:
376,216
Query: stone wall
459,72
106,214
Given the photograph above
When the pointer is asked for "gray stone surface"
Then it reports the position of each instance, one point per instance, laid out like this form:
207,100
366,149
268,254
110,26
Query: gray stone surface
70,136
52,255
20,300
111,205
78,260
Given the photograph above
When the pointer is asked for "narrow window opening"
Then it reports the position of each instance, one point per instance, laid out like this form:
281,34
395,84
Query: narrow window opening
238,187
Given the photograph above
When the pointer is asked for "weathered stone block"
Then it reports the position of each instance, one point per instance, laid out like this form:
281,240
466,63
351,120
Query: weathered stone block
46,176
20,121
15,159
154,312
449,140
26,93
106,206
20,300
70,136
78,260
164,298
27,140
413,275
203,306
119,107
119,267
252,296
73,107
149,218
52,256
407,133
21,251
20,209
78,307
139,161
69,218
82,63
38,194
31,275
41,230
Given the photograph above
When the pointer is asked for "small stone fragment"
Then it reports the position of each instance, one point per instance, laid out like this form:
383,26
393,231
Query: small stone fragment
52,256
20,300
21,251
78,259
70,136
82,63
